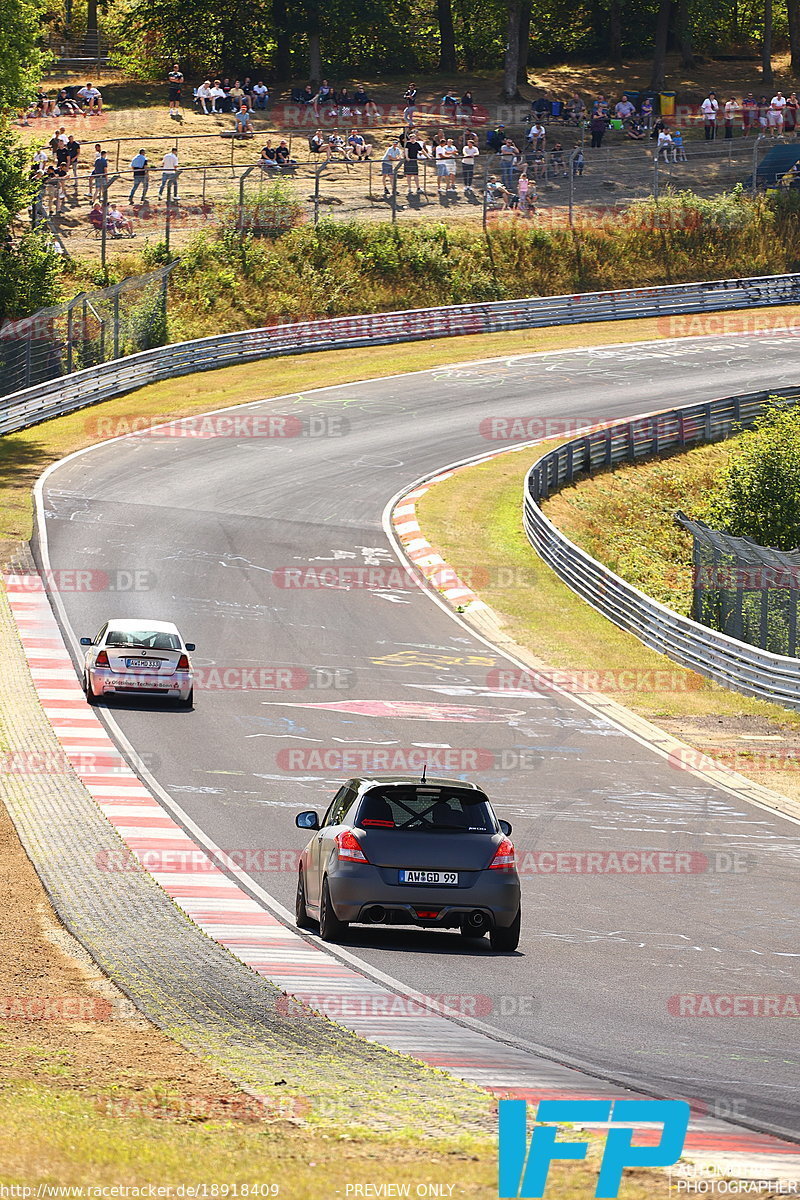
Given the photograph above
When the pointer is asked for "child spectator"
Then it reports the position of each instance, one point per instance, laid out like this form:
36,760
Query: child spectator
678,149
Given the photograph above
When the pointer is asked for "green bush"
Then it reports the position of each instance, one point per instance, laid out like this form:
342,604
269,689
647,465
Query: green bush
758,493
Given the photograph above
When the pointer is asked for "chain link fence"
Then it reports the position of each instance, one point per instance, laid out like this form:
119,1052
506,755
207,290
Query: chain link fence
747,591
93,328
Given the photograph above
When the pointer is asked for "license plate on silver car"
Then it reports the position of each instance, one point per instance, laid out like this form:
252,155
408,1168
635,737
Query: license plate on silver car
440,878
136,663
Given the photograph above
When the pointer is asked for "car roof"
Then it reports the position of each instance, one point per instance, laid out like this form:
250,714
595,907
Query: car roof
364,782
142,623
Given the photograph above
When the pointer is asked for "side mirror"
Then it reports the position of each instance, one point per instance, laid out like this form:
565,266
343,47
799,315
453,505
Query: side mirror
190,646
86,641
505,827
307,820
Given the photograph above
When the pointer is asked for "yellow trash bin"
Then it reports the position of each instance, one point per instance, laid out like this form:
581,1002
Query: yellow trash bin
668,104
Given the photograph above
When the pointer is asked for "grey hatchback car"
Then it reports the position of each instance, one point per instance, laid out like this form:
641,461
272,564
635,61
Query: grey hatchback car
401,851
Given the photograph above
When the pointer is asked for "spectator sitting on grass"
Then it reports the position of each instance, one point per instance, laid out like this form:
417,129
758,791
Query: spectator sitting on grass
284,158
634,129
92,99
267,158
260,94
362,100
43,105
325,96
203,96
497,195
537,136
217,97
242,123
450,105
557,160
236,96
318,145
495,138
467,103
66,105
358,147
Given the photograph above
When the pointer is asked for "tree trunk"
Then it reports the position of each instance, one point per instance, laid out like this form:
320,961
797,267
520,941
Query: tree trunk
525,41
685,35
615,32
447,37
283,41
658,77
314,55
92,43
766,49
793,10
511,60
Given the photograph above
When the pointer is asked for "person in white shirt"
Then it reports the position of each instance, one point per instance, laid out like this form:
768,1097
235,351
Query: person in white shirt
709,108
169,172
92,99
203,96
775,114
731,112
664,144
537,136
469,153
261,93
217,96
393,155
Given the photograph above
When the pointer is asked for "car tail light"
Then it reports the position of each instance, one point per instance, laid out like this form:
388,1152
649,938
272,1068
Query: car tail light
183,663
503,857
349,849
101,660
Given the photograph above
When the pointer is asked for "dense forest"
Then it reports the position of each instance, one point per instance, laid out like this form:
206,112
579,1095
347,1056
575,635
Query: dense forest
287,39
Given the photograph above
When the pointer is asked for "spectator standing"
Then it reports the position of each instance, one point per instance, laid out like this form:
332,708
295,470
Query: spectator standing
730,112
775,115
391,158
468,105
174,85
678,149
749,113
790,114
578,164
469,153
763,110
709,108
646,112
141,176
73,152
99,175
509,153
413,151
169,173
597,128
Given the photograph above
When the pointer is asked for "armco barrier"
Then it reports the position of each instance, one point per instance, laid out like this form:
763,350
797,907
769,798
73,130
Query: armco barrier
733,664
55,397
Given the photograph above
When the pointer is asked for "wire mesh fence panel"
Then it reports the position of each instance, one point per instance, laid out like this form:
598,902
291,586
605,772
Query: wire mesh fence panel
745,590
92,328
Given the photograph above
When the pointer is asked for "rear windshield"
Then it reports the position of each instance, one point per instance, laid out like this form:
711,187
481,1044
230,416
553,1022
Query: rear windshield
426,808
148,639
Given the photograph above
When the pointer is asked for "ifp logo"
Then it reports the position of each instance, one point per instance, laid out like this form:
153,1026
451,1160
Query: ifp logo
523,1169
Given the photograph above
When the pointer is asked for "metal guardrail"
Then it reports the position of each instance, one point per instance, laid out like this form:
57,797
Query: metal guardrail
56,397
736,665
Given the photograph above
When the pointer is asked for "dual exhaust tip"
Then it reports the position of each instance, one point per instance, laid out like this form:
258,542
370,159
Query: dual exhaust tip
376,914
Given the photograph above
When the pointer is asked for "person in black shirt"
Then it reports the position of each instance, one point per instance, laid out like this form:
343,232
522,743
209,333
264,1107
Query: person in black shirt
174,83
414,150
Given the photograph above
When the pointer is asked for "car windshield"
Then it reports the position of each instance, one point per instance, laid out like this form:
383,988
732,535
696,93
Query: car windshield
148,639
429,809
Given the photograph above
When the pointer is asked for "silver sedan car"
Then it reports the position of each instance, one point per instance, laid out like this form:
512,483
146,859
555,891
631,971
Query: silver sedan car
400,851
138,657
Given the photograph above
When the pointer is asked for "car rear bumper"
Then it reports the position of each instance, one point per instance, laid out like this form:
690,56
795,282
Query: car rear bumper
356,889
109,682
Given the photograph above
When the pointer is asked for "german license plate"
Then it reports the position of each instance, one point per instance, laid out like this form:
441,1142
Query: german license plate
440,878
139,663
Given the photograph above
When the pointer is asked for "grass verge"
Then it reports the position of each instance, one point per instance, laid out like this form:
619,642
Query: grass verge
474,519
